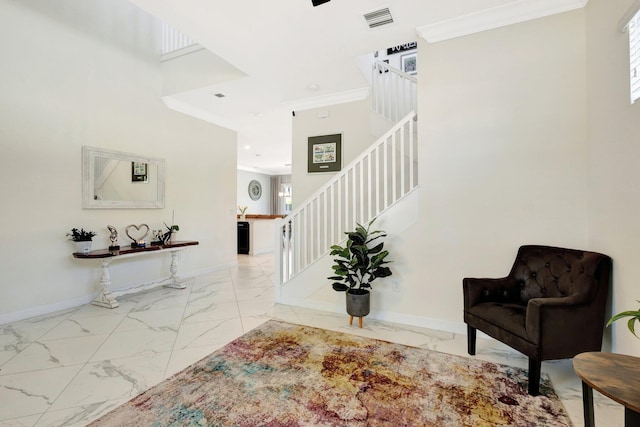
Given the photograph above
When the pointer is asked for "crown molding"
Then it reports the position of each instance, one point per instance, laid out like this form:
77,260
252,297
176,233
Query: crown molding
330,99
198,113
496,17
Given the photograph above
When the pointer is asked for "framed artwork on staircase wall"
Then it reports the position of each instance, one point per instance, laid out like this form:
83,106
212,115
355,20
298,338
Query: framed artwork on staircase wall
409,63
324,153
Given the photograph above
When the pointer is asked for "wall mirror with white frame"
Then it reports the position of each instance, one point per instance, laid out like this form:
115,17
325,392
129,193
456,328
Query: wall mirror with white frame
114,179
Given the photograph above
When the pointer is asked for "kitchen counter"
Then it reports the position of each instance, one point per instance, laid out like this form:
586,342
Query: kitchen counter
262,233
251,216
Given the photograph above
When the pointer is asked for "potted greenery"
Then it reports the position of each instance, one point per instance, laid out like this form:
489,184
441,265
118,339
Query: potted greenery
82,238
358,264
634,317
170,233
243,212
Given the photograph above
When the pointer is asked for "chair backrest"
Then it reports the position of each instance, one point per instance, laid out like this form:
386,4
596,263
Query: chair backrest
551,272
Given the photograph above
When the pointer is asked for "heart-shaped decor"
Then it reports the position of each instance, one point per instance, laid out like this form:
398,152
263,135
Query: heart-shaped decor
139,229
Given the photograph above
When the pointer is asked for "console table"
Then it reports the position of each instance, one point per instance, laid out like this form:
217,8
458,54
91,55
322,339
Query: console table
616,376
106,298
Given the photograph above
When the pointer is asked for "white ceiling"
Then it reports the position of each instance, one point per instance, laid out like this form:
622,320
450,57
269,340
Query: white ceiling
285,47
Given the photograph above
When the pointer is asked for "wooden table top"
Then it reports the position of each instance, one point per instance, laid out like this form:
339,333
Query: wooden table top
125,250
615,375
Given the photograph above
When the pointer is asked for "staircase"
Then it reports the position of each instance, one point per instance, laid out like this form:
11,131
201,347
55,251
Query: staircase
372,183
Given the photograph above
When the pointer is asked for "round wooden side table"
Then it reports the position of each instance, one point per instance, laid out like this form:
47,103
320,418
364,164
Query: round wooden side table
616,376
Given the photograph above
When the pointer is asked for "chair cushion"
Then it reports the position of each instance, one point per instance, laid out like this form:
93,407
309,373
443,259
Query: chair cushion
505,316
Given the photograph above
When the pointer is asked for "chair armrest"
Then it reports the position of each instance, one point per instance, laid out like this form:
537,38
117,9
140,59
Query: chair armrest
555,322
476,290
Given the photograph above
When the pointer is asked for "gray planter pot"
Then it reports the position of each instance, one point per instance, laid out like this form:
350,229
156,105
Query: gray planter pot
358,302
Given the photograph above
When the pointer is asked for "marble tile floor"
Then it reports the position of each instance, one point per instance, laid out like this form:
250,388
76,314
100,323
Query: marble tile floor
70,367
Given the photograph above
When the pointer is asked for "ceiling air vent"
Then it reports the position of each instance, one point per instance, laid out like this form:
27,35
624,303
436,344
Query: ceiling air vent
378,17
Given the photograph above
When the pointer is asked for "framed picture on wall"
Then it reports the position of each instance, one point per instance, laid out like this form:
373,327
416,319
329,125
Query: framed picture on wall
139,172
324,153
409,63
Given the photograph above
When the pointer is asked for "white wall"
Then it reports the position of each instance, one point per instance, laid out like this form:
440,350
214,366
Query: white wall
351,119
255,207
503,156
614,130
503,162
194,71
87,73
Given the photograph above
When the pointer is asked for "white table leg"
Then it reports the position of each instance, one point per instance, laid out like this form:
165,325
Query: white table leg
105,298
173,280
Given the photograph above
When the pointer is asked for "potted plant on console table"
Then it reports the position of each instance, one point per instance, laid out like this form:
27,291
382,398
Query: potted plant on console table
356,266
82,238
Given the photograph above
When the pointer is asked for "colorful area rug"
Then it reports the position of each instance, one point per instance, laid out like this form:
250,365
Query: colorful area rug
289,375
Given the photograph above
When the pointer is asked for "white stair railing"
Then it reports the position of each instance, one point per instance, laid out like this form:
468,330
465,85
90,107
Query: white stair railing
394,91
173,40
370,184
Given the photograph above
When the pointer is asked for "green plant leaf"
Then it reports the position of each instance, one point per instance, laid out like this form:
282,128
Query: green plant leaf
378,259
356,264
631,326
630,313
355,238
335,250
382,272
360,230
339,271
340,287
376,249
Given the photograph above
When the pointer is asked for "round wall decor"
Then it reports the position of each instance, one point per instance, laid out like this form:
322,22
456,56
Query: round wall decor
255,190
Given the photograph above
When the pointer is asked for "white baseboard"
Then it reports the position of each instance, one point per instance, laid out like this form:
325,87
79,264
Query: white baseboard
262,251
42,310
404,319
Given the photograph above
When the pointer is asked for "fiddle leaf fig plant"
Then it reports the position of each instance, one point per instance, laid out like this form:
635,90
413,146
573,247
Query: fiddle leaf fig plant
359,262
634,317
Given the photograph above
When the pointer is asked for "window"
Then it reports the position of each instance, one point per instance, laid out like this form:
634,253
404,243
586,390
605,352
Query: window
285,197
634,56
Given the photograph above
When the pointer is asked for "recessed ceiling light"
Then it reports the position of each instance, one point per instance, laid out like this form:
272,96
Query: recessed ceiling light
247,147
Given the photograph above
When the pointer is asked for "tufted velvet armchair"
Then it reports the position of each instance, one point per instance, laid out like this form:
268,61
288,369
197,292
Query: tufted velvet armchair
550,306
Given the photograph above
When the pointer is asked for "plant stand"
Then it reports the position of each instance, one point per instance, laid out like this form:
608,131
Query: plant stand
358,303
359,321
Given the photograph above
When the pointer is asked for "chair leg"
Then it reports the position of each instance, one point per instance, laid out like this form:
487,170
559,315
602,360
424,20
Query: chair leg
471,340
534,376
